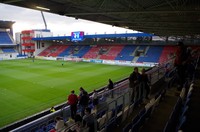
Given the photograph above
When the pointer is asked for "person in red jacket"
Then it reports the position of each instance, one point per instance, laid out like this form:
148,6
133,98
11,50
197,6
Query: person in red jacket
73,101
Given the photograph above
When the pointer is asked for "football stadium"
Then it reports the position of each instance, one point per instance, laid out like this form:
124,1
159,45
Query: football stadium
140,82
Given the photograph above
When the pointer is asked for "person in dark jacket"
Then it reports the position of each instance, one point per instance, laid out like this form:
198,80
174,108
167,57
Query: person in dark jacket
145,83
110,87
82,91
83,100
181,63
134,80
89,120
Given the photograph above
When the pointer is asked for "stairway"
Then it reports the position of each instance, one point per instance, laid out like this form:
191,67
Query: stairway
135,59
160,116
133,54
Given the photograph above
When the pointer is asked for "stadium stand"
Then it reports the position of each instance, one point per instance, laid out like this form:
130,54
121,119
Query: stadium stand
92,53
152,55
139,54
168,51
126,53
112,52
8,50
46,51
82,51
5,38
57,50
68,51
1,51
53,50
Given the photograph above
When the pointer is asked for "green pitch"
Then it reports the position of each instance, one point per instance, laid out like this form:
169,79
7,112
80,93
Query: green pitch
28,87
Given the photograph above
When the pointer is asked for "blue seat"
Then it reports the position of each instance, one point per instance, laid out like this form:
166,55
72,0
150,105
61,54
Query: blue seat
136,126
135,119
119,108
184,111
149,111
187,100
181,124
142,112
174,117
127,127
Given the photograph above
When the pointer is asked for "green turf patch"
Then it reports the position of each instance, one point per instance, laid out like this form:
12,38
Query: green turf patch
28,87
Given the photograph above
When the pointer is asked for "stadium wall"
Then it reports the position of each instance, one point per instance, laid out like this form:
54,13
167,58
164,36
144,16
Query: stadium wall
8,56
110,62
42,33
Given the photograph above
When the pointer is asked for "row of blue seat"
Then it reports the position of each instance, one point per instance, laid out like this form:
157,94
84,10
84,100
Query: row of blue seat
178,115
153,53
144,114
8,50
5,38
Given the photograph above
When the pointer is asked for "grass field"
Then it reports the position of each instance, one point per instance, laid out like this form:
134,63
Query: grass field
28,87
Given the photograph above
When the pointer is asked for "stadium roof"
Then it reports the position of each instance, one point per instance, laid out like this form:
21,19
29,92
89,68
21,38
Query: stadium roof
161,17
6,24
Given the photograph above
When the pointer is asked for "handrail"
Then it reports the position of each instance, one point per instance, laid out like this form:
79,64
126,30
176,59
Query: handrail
39,119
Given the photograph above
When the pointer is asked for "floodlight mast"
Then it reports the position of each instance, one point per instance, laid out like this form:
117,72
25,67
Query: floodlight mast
44,20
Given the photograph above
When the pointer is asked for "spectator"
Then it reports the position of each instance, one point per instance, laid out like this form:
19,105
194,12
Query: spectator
89,120
110,87
82,91
52,109
180,62
145,83
78,118
134,80
73,101
83,100
190,69
95,99
59,123
78,124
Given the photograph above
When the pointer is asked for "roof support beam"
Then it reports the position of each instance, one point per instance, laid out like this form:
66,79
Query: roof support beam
167,22
12,1
164,28
134,12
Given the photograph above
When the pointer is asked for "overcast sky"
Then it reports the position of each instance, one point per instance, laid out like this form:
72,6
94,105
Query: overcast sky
26,19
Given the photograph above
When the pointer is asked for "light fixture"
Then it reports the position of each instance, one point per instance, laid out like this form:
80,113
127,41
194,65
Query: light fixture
42,8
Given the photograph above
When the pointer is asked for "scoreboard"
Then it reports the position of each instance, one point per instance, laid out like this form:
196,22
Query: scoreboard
77,36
